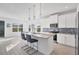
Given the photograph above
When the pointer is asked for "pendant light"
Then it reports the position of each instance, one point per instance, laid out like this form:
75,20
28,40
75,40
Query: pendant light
29,15
40,10
34,11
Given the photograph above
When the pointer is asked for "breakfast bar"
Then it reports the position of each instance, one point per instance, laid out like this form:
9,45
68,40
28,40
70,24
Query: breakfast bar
45,42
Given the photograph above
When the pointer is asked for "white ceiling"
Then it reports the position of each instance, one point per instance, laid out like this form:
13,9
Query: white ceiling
18,10
14,10
58,7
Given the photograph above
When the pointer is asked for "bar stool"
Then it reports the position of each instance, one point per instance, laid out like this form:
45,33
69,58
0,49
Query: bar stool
31,40
24,38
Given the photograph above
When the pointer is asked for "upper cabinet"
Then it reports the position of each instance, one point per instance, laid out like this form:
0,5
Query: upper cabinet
53,19
61,21
70,20
45,23
67,20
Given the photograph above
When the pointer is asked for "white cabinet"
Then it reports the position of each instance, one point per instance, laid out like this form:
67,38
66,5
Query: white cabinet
61,21
67,20
70,20
52,19
60,38
70,40
66,39
45,22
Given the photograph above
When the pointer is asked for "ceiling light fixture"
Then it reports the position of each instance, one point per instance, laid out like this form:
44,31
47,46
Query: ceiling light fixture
66,6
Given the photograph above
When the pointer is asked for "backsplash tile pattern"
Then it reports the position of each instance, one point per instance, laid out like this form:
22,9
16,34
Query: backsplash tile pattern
62,30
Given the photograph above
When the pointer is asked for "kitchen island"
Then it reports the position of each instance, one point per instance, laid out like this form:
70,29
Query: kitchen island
45,42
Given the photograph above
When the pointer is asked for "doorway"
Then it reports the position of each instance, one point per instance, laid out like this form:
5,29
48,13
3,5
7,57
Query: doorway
1,28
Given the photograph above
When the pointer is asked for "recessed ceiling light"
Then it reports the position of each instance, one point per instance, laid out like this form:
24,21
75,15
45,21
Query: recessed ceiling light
66,6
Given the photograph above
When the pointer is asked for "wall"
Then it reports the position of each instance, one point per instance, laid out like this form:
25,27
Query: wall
10,18
8,30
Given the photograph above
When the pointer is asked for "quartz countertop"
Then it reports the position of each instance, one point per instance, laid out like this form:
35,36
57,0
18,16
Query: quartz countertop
42,34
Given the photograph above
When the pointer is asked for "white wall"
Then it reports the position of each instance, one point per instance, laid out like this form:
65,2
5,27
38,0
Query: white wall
8,30
9,18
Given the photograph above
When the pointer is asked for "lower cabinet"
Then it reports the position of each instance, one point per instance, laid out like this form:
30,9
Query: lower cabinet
66,39
60,38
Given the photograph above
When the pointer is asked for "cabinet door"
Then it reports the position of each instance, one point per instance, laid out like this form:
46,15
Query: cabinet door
66,39
61,21
70,20
70,40
60,38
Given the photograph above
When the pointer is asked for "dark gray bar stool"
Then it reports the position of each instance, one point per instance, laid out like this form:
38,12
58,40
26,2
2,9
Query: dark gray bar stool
24,38
31,40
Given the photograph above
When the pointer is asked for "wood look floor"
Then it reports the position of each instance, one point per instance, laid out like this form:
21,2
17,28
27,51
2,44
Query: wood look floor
58,50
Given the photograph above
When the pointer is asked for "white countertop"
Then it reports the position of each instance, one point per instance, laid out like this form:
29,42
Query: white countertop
41,35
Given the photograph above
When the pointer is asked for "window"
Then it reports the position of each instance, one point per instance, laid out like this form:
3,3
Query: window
38,29
14,28
21,28
17,28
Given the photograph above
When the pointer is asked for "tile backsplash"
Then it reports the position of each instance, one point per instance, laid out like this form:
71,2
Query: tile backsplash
62,30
